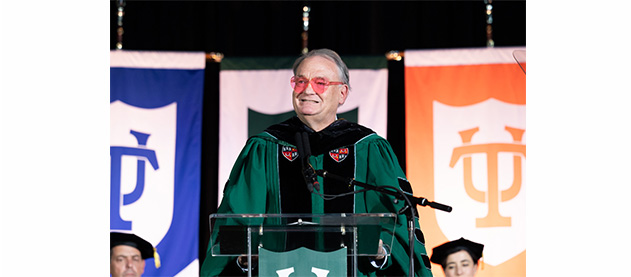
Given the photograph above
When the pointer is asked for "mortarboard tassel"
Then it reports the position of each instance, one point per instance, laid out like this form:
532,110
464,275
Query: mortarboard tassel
156,257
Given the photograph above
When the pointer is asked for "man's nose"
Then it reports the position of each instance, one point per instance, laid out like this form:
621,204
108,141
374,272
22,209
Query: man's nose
309,89
458,270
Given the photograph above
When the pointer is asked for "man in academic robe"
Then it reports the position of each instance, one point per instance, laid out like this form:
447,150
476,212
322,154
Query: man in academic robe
269,174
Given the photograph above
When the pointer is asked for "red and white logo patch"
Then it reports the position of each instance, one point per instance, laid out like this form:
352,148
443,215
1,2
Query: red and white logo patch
290,153
339,154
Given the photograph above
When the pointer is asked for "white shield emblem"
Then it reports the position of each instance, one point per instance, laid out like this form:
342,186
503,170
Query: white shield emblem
143,150
479,161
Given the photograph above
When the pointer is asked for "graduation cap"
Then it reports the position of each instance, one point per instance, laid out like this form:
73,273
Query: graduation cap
146,249
441,252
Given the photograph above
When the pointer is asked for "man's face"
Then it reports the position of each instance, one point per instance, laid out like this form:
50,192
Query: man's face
460,264
126,261
319,107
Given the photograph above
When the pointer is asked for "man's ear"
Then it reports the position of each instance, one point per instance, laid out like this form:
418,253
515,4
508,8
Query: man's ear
343,94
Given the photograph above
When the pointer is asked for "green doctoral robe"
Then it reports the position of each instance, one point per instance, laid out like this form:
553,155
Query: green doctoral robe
267,178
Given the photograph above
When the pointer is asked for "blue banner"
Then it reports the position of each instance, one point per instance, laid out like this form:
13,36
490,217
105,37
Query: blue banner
155,151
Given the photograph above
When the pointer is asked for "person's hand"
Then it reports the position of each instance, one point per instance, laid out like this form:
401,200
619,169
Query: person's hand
381,253
243,261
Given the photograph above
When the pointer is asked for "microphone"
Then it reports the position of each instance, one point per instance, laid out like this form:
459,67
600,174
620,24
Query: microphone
304,151
407,187
424,202
309,173
301,153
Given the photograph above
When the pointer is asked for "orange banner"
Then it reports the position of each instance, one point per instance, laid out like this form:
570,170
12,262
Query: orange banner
466,148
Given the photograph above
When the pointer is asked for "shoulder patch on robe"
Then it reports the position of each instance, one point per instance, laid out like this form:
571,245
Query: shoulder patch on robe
339,154
290,153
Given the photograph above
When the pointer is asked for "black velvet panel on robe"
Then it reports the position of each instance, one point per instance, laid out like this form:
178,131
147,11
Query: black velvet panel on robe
336,143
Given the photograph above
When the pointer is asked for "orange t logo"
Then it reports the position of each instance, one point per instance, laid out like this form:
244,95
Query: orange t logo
493,217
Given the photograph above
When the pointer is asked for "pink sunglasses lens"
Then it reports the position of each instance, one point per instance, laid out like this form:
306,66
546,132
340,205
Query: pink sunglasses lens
299,84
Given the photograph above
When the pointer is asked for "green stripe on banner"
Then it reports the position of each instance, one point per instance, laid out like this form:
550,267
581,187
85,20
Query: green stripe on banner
365,62
258,122
270,63
258,63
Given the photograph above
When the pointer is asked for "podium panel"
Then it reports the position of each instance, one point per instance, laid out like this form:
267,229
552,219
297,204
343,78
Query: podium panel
353,235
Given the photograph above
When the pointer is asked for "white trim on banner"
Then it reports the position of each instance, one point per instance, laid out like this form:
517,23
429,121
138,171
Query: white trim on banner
467,56
157,59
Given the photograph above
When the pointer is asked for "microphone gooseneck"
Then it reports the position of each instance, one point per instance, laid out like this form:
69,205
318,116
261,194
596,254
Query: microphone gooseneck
302,157
304,152
310,175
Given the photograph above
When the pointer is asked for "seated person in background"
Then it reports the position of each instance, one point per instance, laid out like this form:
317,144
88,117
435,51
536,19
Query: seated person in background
458,258
128,253
267,175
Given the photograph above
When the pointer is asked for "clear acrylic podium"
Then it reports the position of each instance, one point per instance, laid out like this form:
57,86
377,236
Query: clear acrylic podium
244,234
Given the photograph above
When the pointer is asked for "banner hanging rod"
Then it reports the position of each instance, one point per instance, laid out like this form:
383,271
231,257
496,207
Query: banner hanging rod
214,57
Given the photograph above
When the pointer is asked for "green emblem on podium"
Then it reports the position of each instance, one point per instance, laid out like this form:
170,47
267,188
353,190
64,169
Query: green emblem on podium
302,262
